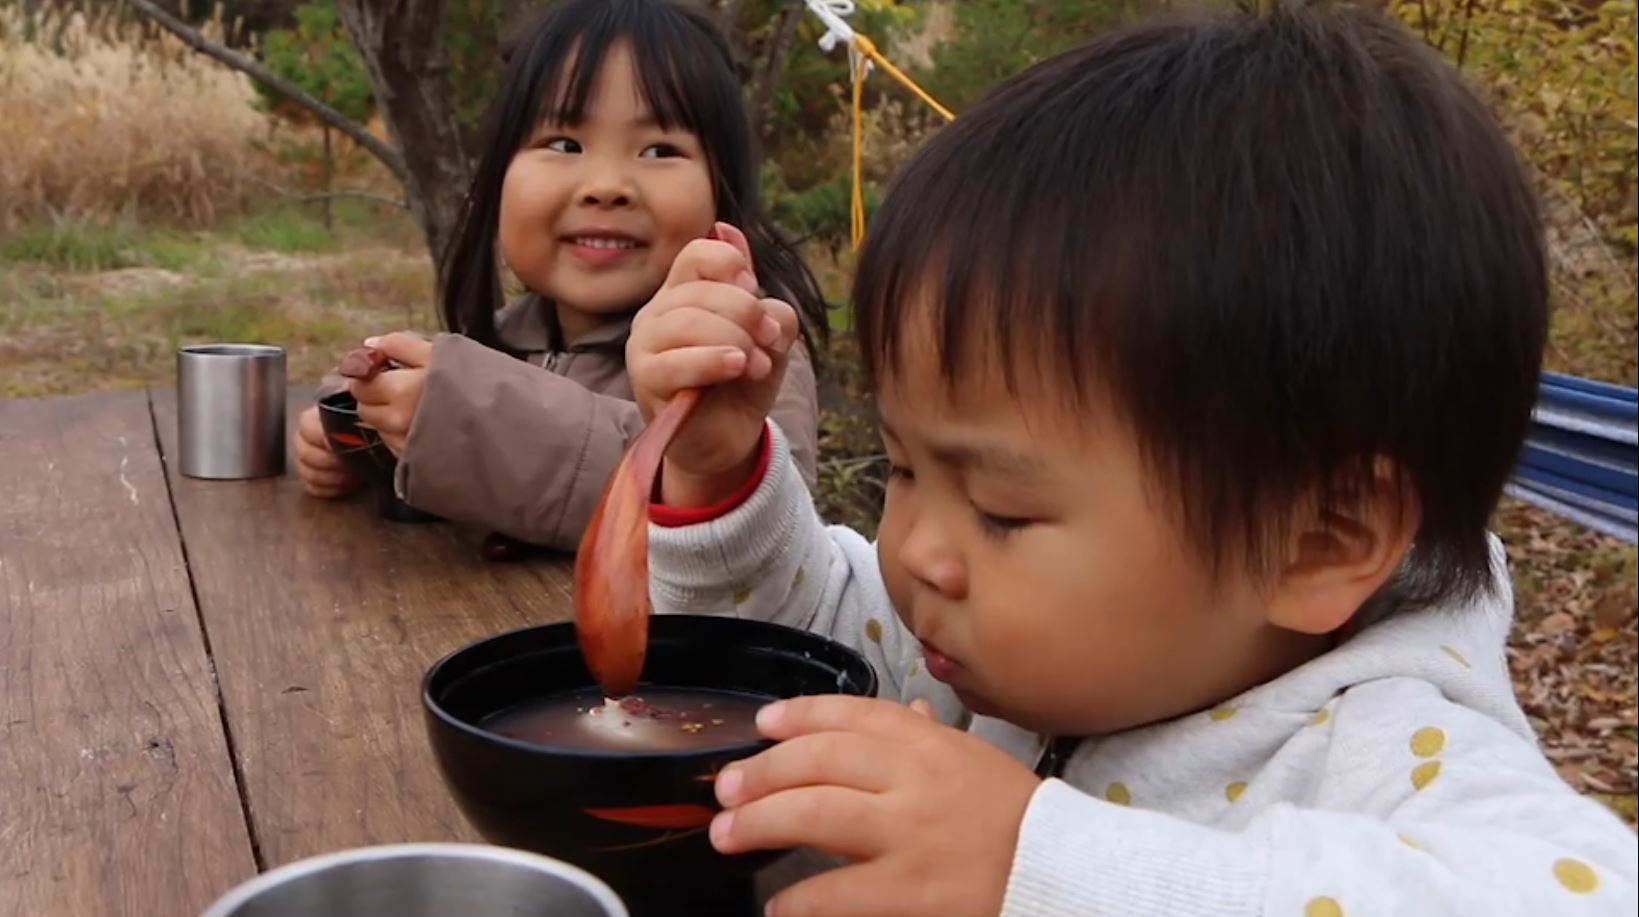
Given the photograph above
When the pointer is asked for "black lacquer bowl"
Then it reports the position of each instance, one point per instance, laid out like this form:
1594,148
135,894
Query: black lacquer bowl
637,819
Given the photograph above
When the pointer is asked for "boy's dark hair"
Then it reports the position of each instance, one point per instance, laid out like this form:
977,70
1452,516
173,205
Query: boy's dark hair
1281,245
687,77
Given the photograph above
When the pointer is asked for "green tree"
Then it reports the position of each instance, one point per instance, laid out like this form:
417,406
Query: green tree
319,57
994,39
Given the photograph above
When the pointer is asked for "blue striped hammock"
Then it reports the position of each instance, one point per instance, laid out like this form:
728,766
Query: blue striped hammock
1581,457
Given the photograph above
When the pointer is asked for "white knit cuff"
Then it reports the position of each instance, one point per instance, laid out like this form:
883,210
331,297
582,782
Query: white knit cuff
690,565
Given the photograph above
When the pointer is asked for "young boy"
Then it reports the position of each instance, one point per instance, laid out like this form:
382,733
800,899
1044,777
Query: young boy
1202,354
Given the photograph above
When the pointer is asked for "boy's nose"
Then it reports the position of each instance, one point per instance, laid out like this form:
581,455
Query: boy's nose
929,559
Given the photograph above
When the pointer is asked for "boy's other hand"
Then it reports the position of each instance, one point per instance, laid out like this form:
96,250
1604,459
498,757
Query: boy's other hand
928,814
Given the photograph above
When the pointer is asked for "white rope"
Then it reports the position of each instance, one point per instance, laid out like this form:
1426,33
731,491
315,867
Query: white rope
831,12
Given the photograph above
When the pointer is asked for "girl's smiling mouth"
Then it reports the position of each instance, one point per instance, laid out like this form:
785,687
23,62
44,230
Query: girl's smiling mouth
600,247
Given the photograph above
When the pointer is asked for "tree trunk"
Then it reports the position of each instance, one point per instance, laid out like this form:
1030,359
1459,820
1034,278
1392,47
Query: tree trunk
329,179
762,99
398,40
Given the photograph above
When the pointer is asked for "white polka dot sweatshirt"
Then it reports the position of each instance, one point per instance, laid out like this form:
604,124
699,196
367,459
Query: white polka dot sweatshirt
1395,775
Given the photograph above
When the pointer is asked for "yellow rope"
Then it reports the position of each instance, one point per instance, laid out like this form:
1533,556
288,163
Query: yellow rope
857,202
868,50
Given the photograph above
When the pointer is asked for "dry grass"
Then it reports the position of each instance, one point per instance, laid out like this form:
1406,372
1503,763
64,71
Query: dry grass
114,125
66,332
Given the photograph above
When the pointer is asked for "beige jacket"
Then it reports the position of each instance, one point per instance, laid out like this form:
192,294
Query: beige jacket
524,446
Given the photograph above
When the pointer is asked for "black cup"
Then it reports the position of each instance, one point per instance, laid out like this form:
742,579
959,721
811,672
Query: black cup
636,819
363,452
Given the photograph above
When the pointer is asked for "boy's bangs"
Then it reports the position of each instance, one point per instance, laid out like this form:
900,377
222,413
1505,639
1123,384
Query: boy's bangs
1019,287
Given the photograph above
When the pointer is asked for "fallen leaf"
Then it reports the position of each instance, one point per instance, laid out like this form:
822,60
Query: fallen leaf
1612,611
1560,622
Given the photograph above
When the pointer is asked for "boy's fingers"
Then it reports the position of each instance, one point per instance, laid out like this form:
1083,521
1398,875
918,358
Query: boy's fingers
732,304
696,328
834,819
709,259
824,759
693,367
788,719
785,317
731,234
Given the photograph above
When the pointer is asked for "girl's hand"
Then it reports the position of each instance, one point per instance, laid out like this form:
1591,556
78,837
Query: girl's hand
708,327
321,471
387,401
928,815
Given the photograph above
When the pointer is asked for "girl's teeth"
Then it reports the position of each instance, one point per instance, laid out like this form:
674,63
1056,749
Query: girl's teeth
606,243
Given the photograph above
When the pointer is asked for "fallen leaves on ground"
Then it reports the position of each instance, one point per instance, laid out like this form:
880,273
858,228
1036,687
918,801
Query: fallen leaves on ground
1574,652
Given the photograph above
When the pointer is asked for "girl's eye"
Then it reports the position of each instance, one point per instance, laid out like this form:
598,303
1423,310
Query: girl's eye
561,145
1001,526
660,151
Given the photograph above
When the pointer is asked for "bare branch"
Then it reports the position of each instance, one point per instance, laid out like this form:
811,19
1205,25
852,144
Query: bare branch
773,67
303,197
193,39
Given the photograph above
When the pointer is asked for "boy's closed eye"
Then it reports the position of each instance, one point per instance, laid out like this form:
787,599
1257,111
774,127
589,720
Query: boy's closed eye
992,522
998,525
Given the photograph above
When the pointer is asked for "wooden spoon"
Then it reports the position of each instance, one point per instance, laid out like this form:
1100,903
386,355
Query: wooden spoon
363,363
612,567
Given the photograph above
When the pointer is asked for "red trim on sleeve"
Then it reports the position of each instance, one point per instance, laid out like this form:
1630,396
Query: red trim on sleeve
672,517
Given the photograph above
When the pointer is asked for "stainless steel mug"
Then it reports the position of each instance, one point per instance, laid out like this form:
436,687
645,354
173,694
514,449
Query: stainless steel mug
230,411
423,880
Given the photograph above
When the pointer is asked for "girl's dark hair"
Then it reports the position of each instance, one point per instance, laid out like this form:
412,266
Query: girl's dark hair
1283,246
687,78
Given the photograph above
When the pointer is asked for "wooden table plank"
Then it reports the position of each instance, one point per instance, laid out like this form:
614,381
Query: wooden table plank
322,619
119,796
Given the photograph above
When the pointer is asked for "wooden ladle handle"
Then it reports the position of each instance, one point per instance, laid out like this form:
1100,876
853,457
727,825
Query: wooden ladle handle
612,605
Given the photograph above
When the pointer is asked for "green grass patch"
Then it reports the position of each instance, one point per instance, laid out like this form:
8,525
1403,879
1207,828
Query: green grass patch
286,230
85,247
64,332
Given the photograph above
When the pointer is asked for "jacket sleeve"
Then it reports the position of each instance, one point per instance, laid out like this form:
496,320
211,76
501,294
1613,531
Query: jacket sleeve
503,444
1432,808
500,443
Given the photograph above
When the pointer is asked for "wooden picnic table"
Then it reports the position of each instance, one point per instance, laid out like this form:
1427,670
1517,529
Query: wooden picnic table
201,680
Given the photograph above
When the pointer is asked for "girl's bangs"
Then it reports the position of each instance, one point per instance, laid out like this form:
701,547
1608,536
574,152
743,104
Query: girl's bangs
664,71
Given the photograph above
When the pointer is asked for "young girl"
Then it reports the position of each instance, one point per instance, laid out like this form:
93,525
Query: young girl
619,135
1202,354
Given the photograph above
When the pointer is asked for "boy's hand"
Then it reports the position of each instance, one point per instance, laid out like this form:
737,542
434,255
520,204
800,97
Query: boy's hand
387,400
321,471
708,327
928,815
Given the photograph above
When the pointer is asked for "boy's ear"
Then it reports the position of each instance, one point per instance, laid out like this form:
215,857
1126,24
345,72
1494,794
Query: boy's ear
1338,557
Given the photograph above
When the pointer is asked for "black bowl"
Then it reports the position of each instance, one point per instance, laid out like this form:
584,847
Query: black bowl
363,452
648,836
